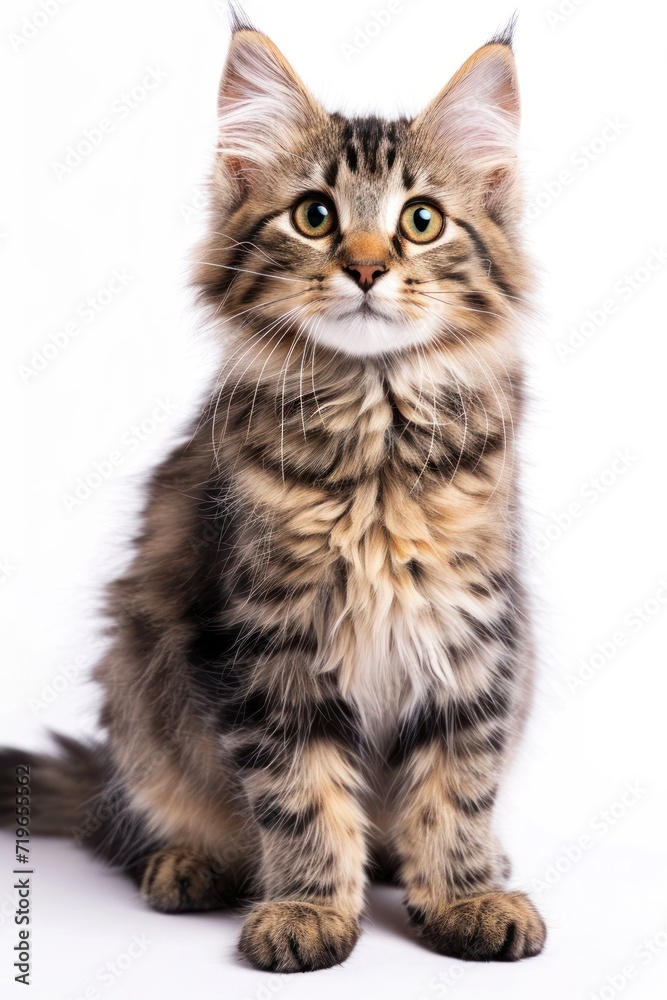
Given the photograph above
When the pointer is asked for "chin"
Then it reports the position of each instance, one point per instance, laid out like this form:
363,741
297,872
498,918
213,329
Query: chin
362,334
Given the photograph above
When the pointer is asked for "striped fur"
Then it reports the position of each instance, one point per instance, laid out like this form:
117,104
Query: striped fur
321,657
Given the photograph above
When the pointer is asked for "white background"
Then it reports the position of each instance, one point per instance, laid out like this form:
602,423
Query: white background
134,205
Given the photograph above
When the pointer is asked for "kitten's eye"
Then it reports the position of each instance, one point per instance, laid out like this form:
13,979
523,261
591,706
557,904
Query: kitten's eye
421,222
314,216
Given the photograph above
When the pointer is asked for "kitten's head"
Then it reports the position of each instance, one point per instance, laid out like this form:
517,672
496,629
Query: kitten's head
363,235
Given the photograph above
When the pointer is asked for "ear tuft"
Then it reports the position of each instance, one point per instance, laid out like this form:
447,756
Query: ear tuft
505,36
238,19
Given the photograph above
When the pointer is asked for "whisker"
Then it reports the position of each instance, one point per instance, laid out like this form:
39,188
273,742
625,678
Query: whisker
263,305
434,418
484,368
282,409
457,305
505,295
253,342
259,377
248,243
247,270
487,371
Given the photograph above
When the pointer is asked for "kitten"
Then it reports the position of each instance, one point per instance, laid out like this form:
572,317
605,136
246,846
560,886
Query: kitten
321,658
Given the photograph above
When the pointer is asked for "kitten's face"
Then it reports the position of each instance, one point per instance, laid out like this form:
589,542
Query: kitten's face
367,236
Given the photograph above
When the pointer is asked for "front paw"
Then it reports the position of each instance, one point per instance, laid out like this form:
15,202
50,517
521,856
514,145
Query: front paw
175,880
297,937
489,927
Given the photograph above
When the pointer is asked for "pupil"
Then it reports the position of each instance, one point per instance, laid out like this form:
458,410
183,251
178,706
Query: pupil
316,215
422,217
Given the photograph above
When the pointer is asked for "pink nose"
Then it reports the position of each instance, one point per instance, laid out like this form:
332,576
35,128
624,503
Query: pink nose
365,274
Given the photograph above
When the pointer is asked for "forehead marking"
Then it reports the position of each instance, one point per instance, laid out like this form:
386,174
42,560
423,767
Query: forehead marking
331,173
370,144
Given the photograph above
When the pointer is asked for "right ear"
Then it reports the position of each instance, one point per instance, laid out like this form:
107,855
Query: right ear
475,118
261,104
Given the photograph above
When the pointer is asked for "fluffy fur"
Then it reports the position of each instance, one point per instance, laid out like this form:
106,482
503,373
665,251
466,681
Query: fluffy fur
321,656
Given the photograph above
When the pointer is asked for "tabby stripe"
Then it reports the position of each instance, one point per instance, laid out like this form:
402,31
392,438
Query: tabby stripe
430,725
369,132
473,806
504,629
242,250
465,880
477,300
305,889
485,255
335,719
331,173
257,755
272,816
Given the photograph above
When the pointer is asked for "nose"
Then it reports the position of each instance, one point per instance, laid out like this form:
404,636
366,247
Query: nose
365,274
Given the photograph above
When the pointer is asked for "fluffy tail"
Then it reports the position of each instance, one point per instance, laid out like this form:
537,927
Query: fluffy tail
64,789
75,794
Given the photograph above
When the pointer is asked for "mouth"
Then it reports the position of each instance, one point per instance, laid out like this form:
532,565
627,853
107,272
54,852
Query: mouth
367,310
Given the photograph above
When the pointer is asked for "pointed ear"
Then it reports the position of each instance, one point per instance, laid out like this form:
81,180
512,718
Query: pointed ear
261,103
476,120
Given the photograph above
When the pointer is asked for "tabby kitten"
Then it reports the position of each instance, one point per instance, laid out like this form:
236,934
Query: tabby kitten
320,658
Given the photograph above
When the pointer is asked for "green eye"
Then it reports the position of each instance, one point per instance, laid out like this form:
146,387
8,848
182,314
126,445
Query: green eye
314,216
421,222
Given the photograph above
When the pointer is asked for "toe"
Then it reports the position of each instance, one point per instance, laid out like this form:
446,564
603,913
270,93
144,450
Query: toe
297,937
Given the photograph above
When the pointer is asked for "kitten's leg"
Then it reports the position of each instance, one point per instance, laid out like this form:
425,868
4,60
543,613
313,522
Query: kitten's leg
452,867
304,797
176,880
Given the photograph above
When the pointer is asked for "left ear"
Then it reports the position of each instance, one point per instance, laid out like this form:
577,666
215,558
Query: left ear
475,119
262,104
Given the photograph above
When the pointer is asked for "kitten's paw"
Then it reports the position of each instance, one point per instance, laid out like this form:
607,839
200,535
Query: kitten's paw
176,880
490,927
297,937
